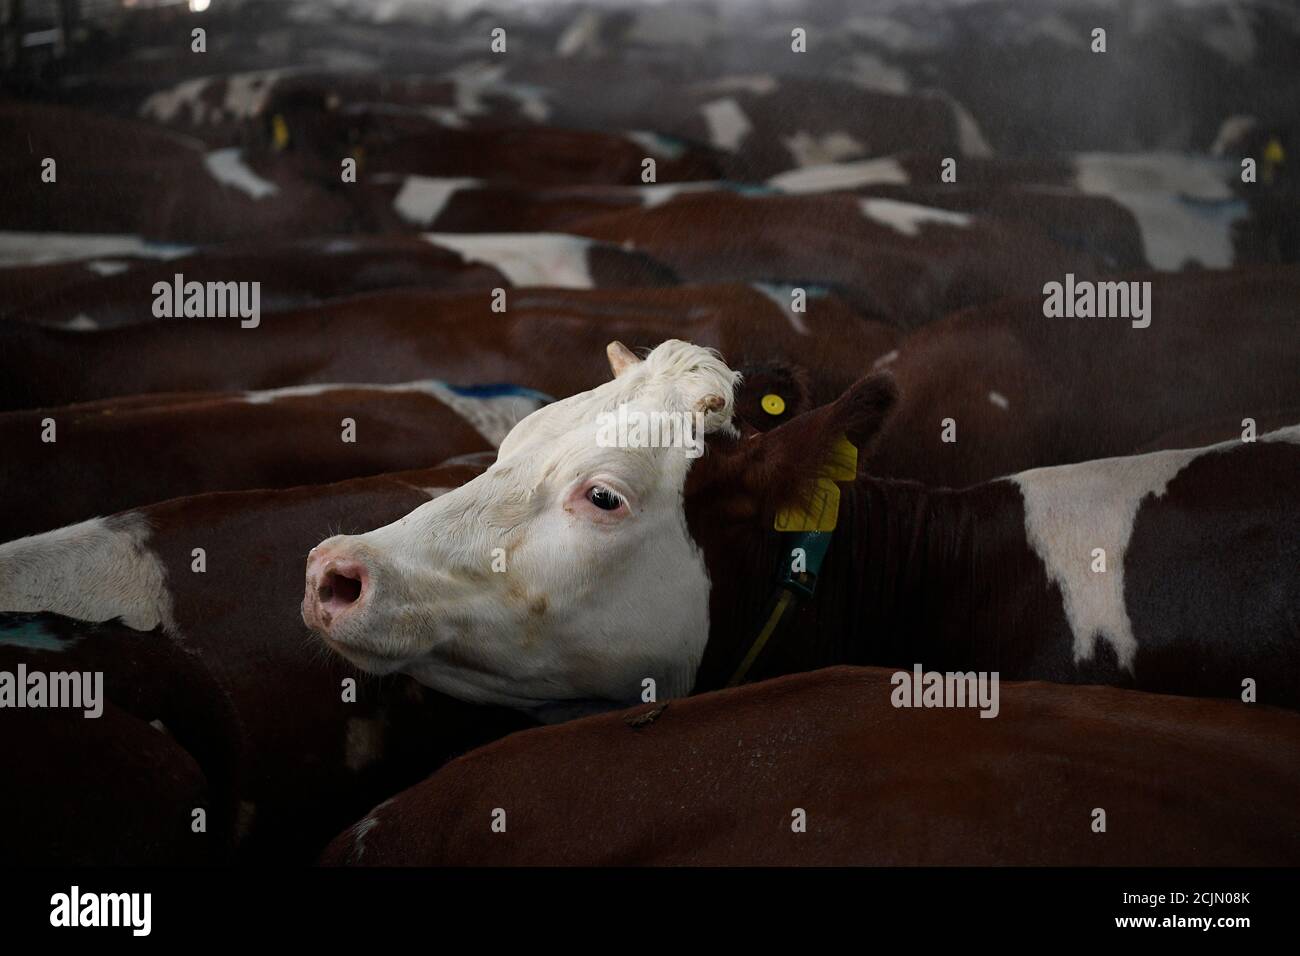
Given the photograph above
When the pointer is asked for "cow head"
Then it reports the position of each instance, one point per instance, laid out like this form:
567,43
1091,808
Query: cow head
566,573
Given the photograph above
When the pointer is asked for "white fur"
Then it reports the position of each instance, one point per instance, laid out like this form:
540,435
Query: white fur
908,217
422,199
45,248
492,417
660,193
657,144
106,267
810,150
96,570
1183,205
227,167
541,258
727,122
1072,509
833,176
81,323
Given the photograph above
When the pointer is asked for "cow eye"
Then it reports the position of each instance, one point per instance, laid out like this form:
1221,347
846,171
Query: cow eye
603,498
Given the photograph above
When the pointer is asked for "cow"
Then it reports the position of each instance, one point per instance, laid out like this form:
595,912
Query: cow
195,442
823,769
283,106
547,339
536,156
762,123
1160,210
201,597
108,173
155,741
458,204
894,261
1021,390
1095,224
590,562
108,290
312,745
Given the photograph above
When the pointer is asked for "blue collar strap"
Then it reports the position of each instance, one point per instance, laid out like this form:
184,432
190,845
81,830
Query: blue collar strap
805,534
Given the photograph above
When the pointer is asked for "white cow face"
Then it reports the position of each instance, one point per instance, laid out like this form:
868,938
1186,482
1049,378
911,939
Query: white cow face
565,572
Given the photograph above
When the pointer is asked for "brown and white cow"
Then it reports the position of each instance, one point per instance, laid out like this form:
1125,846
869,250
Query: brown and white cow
287,748
548,339
719,780
195,442
209,640
895,261
592,557
107,290
110,172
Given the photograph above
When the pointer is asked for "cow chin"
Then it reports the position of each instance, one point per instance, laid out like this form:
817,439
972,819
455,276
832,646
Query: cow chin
363,659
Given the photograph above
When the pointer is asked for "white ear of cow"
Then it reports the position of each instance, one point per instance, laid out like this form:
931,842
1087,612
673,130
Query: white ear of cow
621,358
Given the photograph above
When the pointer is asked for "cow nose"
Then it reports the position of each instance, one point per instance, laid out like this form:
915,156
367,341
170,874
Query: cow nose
336,584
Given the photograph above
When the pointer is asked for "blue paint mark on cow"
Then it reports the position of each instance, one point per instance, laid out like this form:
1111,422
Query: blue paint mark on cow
751,189
33,633
500,390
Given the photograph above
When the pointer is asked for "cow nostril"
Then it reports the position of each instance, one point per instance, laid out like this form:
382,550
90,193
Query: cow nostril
340,588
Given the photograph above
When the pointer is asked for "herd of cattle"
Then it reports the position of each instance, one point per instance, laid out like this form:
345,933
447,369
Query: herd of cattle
302,374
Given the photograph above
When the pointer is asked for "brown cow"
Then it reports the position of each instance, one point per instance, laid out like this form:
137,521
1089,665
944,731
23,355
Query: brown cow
763,124
548,339
110,291
309,752
1023,390
110,173
822,769
894,261
1094,224
153,738
120,453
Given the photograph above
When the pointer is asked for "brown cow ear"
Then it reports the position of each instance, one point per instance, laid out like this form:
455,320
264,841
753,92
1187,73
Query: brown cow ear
785,462
862,410
621,358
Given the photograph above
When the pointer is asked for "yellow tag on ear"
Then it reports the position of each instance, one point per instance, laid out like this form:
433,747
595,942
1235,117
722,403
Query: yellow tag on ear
1273,152
821,513
279,132
842,462
773,404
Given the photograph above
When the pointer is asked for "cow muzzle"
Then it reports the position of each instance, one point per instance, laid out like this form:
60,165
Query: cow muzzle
336,589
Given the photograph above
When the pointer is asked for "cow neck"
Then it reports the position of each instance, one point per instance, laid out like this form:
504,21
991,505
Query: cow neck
898,558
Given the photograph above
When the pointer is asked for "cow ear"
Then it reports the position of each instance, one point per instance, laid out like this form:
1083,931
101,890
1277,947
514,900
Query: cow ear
770,395
790,458
621,358
862,410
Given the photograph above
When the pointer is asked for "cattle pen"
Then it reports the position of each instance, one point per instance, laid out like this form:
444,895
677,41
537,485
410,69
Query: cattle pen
491,456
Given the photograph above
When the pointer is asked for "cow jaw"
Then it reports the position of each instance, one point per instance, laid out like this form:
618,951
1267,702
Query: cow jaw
563,573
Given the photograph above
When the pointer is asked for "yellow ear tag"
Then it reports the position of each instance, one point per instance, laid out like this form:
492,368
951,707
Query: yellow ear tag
821,513
842,463
773,404
279,132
